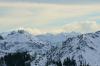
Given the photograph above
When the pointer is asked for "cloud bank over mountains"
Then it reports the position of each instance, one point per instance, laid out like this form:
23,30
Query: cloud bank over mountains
43,17
82,27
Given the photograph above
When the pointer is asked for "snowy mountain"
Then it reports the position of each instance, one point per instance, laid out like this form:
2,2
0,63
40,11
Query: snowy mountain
53,50
19,41
56,39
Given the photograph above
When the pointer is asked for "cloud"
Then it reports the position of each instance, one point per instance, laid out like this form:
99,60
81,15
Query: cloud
43,13
40,14
34,31
95,18
83,27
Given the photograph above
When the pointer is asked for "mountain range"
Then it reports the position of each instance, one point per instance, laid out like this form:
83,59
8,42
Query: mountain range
53,49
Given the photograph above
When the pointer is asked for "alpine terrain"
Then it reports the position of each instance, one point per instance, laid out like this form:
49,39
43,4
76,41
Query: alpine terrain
21,48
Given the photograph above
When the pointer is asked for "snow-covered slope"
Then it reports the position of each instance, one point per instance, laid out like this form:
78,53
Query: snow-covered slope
84,48
56,39
19,41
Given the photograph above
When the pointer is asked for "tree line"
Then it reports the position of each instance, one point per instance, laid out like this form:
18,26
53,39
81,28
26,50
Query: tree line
16,59
24,59
66,62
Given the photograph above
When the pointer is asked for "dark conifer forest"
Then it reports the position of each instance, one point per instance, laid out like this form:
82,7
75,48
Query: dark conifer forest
24,59
16,59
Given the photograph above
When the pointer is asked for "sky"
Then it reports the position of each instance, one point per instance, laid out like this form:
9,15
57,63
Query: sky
54,16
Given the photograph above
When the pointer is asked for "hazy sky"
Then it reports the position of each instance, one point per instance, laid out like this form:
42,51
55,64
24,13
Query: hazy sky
40,16
57,1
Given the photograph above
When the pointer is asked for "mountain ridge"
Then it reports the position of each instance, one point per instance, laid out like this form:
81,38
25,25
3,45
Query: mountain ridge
84,48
